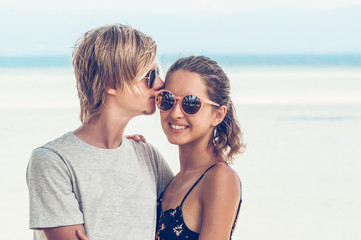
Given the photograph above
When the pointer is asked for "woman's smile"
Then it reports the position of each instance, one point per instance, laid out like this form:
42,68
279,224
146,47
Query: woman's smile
177,128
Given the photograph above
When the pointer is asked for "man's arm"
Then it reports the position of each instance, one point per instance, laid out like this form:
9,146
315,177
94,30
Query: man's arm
63,233
164,174
52,200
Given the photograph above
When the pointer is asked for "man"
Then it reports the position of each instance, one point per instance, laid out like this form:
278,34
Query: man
93,179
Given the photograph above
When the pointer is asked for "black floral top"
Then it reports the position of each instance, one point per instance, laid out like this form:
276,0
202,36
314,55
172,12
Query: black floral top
170,223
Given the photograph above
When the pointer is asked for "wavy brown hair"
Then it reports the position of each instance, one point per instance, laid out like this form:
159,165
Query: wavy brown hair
109,57
227,137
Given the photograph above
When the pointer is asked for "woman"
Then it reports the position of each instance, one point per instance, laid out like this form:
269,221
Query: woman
202,201
197,114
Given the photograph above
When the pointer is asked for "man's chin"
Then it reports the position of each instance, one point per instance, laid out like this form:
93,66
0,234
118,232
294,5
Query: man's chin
150,112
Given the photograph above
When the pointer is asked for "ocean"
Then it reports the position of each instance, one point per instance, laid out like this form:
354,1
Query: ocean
223,59
301,118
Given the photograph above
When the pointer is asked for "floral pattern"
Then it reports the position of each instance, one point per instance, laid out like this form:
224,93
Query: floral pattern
178,229
171,225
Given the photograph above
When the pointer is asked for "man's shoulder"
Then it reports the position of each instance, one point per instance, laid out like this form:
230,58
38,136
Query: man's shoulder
146,150
60,142
141,146
52,148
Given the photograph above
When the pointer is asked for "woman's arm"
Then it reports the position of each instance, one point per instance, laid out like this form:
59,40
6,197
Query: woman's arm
81,235
220,196
136,137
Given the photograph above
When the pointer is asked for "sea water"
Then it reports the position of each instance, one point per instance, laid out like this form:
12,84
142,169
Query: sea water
301,122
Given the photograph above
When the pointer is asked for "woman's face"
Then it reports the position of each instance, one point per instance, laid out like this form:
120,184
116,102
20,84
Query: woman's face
181,128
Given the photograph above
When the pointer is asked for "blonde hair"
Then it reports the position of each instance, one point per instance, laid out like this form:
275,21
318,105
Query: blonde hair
111,56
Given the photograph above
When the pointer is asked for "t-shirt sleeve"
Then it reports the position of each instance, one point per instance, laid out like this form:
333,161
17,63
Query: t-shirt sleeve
164,173
52,200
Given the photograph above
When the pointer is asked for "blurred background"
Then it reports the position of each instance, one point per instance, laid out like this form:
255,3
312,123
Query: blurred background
295,71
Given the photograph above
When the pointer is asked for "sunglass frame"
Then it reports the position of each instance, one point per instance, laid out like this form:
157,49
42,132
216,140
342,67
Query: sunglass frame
180,99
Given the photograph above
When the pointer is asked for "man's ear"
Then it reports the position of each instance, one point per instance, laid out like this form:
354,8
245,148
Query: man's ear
220,114
111,91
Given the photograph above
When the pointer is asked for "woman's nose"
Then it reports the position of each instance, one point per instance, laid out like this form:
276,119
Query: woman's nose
177,112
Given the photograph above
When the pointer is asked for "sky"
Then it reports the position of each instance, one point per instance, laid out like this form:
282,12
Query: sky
42,27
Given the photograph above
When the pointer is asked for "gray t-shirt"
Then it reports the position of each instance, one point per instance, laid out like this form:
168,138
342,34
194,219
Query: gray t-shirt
113,192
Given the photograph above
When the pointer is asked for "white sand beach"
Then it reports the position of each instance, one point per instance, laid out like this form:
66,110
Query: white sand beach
300,173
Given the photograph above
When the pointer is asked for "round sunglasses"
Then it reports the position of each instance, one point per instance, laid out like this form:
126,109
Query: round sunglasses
151,76
190,104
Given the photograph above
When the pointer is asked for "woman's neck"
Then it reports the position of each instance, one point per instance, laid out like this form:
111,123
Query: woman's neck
193,157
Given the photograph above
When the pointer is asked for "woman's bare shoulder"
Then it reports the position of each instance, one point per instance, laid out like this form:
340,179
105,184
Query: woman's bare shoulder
222,178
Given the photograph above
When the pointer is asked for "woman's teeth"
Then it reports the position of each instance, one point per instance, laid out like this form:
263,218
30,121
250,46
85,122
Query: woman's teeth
177,127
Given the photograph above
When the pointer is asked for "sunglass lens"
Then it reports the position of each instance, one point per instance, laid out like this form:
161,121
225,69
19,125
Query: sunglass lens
165,101
191,104
152,76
